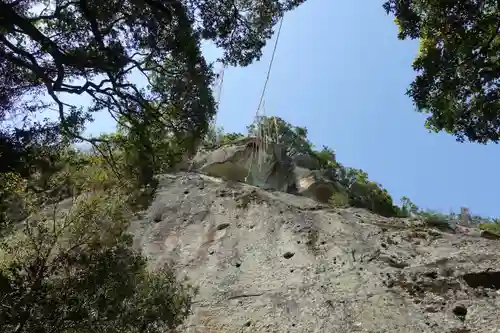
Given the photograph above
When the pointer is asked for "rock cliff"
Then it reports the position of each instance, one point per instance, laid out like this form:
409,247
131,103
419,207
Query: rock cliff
269,261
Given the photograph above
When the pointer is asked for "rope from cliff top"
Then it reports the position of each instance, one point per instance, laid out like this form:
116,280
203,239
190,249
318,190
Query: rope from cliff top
262,137
218,92
262,132
219,84
269,68
260,144
220,78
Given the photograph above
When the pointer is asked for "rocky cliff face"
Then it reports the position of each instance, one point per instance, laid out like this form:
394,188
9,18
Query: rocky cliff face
268,261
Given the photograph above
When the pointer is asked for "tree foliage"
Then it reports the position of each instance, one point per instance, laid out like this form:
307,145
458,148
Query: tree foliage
408,207
71,267
216,137
75,271
326,157
66,48
363,193
275,129
458,66
141,62
230,137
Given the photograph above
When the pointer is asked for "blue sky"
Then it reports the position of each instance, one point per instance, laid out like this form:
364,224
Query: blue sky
340,71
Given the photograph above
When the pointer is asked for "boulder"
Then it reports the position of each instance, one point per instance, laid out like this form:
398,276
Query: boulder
266,165
230,162
489,235
249,160
314,184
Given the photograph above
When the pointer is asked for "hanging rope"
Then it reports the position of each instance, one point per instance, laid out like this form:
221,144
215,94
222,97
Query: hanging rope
220,81
263,133
270,67
264,88
258,119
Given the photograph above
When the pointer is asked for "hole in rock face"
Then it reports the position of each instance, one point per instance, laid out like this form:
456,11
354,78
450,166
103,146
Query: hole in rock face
222,226
485,279
460,311
288,255
432,275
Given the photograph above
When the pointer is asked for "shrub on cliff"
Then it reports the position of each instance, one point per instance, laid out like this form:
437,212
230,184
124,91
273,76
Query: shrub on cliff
76,271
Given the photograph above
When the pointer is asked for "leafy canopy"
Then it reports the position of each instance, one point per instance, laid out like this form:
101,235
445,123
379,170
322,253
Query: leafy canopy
458,65
76,271
275,129
101,50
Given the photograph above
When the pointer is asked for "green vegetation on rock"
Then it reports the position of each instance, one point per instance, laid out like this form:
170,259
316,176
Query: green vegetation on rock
493,227
67,263
74,269
77,271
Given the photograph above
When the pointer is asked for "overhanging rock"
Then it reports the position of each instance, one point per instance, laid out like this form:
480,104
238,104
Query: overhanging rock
249,160
314,184
266,165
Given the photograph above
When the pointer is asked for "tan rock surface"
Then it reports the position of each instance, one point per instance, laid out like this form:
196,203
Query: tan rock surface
276,262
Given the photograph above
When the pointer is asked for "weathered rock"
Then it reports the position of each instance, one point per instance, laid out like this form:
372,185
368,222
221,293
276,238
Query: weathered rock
276,262
467,230
266,165
248,160
314,184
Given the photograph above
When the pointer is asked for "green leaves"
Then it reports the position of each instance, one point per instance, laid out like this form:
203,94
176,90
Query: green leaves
408,207
72,269
91,48
458,65
77,272
493,227
363,193
240,28
326,157
275,129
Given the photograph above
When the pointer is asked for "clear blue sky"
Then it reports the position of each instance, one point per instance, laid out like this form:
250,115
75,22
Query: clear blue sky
341,72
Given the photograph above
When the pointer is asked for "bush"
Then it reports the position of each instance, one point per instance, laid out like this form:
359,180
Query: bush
340,199
437,221
493,227
76,271
371,196
361,192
